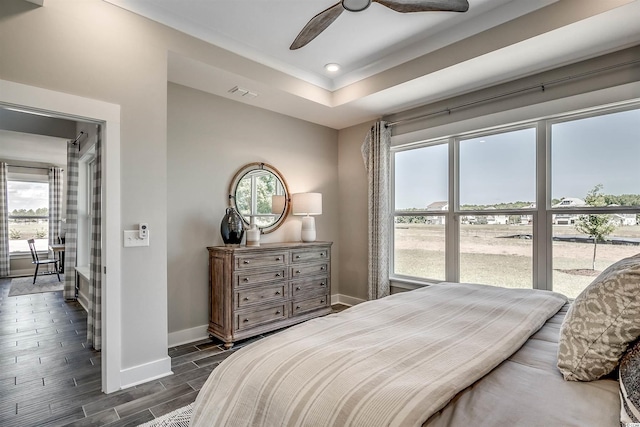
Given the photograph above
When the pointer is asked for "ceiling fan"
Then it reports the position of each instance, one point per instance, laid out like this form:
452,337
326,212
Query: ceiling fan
321,21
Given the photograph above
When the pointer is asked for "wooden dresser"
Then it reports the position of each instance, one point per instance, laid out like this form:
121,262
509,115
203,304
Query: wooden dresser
254,290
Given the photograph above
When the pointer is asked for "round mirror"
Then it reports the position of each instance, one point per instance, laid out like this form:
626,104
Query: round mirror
260,195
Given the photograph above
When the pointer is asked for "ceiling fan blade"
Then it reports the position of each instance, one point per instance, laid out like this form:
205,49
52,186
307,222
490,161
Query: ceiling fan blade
406,6
316,25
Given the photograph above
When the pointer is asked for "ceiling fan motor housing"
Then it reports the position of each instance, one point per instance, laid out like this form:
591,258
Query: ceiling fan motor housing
356,5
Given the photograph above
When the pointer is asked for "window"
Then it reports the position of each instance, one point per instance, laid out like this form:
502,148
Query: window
421,197
28,205
594,166
546,204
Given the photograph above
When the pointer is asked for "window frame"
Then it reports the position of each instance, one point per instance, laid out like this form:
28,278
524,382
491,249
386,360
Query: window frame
542,214
27,177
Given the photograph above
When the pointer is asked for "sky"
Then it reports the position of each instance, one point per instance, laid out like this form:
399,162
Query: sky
500,168
27,195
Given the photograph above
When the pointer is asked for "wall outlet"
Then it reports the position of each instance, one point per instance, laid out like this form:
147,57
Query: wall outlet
132,238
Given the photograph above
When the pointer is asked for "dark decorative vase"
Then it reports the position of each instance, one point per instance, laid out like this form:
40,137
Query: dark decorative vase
232,227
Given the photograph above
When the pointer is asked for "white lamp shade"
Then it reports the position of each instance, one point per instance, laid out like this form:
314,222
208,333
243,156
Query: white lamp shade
306,203
277,204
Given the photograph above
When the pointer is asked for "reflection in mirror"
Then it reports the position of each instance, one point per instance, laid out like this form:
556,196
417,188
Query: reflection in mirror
261,196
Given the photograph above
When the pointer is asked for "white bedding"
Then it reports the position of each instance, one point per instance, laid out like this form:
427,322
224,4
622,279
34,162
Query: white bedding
394,361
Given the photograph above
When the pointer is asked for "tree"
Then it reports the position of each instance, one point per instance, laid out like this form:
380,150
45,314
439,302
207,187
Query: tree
597,226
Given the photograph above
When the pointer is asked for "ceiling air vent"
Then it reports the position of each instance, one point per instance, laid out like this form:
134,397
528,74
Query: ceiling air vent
238,91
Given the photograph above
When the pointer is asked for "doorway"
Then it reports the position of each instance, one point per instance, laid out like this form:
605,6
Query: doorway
62,105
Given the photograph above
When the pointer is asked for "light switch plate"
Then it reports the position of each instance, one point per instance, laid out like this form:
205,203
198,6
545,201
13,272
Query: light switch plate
132,238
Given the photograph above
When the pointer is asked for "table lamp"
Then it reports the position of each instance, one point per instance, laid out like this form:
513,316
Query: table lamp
307,204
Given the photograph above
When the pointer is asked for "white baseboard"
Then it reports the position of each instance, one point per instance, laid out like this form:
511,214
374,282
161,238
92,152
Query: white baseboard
198,333
187,336
147,372
84,301
21,273
345,300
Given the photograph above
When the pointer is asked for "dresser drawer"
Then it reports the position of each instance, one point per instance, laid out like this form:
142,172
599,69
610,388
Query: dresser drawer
307,255
249,278
243,262
310,304
252,318
309,270
304,288
250,296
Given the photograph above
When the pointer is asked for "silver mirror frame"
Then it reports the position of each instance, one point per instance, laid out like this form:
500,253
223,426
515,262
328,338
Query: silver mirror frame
242,172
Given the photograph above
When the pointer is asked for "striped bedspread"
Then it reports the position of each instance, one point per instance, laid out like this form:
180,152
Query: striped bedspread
390,362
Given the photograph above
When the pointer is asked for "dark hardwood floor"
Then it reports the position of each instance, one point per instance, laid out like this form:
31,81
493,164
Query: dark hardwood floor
49,376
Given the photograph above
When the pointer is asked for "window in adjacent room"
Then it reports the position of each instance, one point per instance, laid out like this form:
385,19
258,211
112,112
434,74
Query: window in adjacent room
28,208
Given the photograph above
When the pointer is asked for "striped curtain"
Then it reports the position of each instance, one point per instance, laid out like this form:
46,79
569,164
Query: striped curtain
4,222
55,203
71,236
376,152
94,318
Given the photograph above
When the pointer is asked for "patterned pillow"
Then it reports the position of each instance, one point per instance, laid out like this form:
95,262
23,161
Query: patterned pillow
630,385
601,323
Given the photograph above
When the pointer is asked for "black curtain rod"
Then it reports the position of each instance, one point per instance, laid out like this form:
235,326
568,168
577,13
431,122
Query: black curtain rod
541,86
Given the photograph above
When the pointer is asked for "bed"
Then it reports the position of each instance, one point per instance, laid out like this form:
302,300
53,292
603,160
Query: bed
444,355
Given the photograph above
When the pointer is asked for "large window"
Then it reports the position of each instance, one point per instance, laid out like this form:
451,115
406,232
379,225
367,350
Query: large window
547,204
28,206
421,195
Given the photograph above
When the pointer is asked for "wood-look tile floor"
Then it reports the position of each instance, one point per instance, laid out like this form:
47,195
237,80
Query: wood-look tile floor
50,377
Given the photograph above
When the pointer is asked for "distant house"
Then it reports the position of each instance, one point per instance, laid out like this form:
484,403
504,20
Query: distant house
497,219
621,220
624,219
567,218
437,206
527,219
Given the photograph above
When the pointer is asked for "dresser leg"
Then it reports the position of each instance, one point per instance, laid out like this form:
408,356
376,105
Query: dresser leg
228,345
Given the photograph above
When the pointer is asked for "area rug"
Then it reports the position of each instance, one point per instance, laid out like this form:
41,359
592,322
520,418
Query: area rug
44,283
178,418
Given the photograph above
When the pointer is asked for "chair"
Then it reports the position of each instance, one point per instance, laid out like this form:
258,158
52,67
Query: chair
38,262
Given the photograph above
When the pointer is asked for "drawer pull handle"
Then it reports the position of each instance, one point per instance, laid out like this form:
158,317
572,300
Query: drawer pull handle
278,259
297,307
246,279
297,271
321,254
297,256
297,288
323,284
246,261
277,274
277,292
246,298
322,301
323,268
245,320
278,312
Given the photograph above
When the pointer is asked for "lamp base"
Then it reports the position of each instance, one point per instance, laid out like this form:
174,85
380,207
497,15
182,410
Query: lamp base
308,232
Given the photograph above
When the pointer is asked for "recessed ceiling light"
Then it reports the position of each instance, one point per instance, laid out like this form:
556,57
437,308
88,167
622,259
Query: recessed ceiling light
332,68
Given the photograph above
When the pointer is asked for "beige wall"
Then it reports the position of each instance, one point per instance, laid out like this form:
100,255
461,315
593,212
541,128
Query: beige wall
353,214
97,51
208,139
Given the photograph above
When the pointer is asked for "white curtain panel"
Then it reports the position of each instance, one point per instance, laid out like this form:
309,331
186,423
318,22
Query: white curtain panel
4,222
55,203
71,236
376,152
94,318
